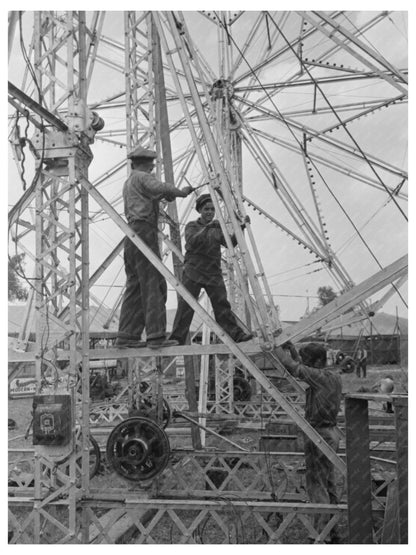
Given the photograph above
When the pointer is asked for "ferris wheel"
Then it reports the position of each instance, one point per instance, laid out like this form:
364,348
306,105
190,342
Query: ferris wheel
296,119
289,104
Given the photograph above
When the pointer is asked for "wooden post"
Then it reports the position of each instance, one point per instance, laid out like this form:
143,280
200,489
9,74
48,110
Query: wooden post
371,343
190,392
162,122
400,405
163,133
358,471
204,378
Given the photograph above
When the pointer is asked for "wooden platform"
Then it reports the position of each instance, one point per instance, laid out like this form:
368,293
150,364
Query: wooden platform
249,348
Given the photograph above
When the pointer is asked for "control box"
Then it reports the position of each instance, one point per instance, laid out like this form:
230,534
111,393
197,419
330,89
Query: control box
52,419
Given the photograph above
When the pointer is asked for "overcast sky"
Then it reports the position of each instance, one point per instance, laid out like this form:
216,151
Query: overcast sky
293,273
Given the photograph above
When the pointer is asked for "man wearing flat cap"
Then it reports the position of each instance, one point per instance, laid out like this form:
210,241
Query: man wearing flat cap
144,302
202,269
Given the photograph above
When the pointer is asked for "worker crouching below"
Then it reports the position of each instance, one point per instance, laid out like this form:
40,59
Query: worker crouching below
323,400
202,269
144,302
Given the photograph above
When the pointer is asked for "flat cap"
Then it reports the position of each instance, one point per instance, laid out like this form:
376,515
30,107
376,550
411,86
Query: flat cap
140,152
201,200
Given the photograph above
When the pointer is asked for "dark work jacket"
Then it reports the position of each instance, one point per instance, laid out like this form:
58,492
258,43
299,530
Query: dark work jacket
323,396
203,252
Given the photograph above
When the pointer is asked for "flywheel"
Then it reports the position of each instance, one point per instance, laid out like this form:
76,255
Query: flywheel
138,449
242,389
348,365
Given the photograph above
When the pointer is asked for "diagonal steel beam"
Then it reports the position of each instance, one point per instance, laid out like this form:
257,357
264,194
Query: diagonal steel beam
345,302
15,93
353,318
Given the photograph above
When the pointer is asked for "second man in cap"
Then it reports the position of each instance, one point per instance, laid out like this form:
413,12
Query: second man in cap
202,269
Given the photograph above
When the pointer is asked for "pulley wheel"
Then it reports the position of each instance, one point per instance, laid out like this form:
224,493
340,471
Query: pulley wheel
95,456
94,459
138,449
242,389
339,357
348,365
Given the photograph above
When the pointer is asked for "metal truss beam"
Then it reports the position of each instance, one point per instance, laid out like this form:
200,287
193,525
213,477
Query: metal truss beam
372,308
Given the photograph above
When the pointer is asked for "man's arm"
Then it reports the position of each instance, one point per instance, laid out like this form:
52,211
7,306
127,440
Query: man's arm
158,190
311,376
195,236
233,240
233,237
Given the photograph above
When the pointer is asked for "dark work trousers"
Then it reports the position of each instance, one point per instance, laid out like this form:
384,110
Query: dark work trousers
361,370
320,475
144,301
222,310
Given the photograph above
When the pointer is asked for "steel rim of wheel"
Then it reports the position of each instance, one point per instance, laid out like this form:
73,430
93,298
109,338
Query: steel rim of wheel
138,449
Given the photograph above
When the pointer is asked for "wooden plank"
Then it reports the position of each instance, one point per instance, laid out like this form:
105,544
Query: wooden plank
379,397
374,420
390,531
249,348
360,522
401,417
191,397
134,502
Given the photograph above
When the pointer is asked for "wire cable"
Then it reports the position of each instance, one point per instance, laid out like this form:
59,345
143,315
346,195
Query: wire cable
302,147
28,62
316,84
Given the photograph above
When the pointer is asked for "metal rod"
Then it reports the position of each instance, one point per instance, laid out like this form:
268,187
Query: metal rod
186,417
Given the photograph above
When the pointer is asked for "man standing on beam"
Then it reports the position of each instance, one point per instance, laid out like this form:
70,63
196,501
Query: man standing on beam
202,269
144,301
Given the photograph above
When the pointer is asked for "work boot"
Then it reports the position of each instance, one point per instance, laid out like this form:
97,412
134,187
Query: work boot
334,539
123,343
161,342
